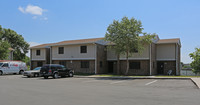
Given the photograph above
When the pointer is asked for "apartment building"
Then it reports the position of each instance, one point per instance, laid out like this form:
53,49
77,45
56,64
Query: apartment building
92,56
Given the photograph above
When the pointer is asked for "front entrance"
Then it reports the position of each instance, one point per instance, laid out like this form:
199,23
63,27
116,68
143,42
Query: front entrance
160,68
110,67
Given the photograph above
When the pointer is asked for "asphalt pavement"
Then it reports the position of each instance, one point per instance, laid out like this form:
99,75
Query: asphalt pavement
19,90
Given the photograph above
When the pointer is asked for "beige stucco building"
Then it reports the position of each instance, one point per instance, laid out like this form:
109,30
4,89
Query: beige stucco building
92,56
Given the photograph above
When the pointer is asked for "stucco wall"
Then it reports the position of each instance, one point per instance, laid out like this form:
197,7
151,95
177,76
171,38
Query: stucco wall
72,52
42,55
165,51
135,56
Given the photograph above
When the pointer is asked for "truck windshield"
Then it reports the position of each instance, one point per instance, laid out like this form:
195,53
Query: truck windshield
37,68
1,63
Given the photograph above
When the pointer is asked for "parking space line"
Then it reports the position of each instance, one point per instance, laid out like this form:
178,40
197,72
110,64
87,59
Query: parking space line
151,82
117,82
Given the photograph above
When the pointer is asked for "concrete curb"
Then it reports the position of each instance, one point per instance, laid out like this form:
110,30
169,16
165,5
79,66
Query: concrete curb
196,82
99,77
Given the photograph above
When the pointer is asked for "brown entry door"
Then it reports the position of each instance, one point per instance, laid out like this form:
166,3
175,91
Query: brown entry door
110,67
160,68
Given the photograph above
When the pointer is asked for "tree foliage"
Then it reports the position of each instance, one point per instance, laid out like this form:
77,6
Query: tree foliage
126,37
4,49
196,60
16,42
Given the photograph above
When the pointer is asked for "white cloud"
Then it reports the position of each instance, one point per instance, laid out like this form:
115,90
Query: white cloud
21,9
45,18
32,44
34,17
31,9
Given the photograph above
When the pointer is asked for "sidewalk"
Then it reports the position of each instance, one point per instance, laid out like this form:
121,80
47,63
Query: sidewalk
196,81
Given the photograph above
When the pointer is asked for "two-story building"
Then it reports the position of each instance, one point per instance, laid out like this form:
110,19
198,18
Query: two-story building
94,57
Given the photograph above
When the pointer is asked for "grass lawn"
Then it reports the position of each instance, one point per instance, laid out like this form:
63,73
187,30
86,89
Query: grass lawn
181,76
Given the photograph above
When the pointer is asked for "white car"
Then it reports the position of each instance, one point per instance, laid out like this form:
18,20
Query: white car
12,67
33,73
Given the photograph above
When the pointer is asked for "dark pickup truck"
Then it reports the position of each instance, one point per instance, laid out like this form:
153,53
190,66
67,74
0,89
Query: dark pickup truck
55,70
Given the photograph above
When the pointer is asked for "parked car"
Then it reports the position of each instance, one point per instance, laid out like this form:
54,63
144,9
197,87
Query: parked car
56,71
12,67
33,73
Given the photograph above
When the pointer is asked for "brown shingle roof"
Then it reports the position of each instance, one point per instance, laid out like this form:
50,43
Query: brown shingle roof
42,45
80,41
162,41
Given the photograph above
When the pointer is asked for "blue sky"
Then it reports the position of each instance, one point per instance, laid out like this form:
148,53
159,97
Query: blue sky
47,21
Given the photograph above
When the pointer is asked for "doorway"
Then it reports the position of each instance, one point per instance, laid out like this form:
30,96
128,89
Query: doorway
160,68
110,67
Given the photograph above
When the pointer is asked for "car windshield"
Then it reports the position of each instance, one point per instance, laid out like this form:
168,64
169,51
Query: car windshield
1,64
37,68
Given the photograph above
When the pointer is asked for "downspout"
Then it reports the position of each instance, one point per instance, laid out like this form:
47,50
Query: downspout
95,52
176,60
31,60
150,58
50,52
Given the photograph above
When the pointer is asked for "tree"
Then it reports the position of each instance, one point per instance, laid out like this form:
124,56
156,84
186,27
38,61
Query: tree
196,61
125,35
16,42
4,50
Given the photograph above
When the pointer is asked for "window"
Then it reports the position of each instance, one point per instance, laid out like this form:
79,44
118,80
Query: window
101,64
135,50
85,64
60,50
37,52
83,49
5,65
62,63
39,64
134,65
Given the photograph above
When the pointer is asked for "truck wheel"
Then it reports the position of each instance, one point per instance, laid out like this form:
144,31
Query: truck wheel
36,75
1,73
55,75
21,72
71,74
45,77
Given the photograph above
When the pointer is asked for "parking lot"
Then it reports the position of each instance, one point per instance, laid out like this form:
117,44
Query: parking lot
19,90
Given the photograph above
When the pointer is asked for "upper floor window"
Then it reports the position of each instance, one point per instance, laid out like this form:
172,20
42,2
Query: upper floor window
135,50
60,50
134,65
83,49
38,52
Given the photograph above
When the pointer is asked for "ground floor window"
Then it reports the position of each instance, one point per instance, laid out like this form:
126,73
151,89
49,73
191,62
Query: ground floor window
85,64
39,64
62,63
134,65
